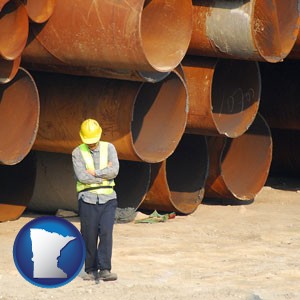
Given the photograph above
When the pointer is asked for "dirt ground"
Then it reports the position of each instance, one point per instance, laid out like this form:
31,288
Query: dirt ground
221,251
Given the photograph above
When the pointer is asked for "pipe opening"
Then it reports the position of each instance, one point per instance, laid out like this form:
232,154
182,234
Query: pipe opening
166,31
9,69
13,201
132,183
275,28
39,11
159,113
19,117
235,96
187,170
14,28
245,161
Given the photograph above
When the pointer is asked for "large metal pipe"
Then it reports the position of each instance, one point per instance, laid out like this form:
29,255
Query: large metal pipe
19,117
177,184
149,36
281,94
14,26
39,11
144,121
224,95
239,167
249,30
52,193
286,160
17,184
9,69
36,57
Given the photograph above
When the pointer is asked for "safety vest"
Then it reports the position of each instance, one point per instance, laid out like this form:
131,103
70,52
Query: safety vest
106,186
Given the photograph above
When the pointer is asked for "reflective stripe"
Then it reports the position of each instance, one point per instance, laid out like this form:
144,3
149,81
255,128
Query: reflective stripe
89,163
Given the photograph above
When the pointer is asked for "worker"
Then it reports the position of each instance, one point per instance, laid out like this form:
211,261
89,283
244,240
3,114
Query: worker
95,166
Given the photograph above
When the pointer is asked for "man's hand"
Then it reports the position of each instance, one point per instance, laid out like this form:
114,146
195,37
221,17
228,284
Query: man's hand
91,172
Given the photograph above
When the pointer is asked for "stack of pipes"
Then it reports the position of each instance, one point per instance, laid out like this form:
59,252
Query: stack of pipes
176,86
19,102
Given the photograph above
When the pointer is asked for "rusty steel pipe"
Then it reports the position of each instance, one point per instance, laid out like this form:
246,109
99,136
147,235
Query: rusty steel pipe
39,11
14,26
280,94
52,193
144,121
9,69
177,184
239,167
249,30
46,62
19,117
16,188
224,95
147,36
286,160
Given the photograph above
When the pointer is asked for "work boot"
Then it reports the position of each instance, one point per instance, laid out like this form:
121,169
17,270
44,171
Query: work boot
90,276
106,275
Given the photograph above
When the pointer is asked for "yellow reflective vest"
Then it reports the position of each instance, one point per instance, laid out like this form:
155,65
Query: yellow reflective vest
106,186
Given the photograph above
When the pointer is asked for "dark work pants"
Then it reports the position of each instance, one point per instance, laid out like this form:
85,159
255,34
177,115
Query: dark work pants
97,222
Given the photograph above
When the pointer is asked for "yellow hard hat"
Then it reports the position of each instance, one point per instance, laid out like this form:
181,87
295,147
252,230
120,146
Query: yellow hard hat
90,131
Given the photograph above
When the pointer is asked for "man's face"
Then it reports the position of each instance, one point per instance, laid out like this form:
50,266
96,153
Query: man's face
92,146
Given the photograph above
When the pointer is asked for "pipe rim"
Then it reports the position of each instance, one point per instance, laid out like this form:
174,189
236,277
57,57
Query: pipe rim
254,173
193,173
39,11
18,140
234,108
9,69
153,116
281,23
171,42
15,29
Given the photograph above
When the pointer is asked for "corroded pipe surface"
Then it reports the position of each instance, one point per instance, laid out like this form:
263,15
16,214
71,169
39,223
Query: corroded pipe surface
19,117
144,121
177,184
14,26
286,159
249,30
129,35
52,192
16,188
39,11
239,167
281,94
224,95
9,69
36,57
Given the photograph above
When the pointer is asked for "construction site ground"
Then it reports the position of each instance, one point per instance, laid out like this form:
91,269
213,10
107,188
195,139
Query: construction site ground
222,251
